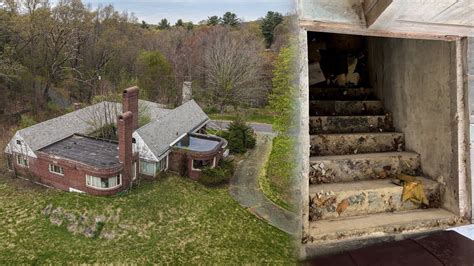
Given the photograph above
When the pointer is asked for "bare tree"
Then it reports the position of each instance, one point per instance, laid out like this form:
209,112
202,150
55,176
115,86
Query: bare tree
232,66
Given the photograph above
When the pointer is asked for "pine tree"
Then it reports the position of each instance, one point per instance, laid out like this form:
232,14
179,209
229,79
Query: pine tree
164,24
230,19
269,23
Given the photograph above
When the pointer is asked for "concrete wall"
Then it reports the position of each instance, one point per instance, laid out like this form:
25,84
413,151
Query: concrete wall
470,80
416,80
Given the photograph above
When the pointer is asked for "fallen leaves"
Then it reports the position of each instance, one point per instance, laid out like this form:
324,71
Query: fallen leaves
342,206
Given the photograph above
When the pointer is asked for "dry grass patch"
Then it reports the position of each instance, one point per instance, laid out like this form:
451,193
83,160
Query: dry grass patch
174,220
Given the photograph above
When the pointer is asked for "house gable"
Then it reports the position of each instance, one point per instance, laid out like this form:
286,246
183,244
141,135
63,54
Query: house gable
18,145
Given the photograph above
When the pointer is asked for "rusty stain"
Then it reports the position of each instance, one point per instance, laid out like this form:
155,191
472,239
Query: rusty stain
342,206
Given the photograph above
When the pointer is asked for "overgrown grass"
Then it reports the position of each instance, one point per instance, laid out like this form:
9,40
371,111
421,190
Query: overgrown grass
171,221
249,115
276,180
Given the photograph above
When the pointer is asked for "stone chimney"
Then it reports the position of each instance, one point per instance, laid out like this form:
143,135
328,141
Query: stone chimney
130,104
187,91
77,106
125,131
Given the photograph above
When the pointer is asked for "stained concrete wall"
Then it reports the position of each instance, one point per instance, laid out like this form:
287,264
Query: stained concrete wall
470,84
416,80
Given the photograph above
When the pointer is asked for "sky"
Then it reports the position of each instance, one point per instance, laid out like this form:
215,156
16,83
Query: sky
152,11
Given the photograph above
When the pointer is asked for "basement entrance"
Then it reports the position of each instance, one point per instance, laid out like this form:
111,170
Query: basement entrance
382,109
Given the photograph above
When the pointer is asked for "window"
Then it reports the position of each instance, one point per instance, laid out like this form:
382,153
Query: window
104,183
22,160
163,164
56,169
147,168
18,142
201,164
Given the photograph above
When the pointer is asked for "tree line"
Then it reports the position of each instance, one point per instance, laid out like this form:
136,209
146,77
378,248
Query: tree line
69,52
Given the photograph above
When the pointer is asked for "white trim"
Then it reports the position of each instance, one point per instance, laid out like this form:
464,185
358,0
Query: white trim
104,189
178,139
76,190
51,169
201,125
134,174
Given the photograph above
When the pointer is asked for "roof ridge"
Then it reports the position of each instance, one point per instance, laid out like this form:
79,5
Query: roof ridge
171,111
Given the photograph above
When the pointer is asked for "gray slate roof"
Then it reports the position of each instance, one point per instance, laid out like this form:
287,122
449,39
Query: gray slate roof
159,134
83,121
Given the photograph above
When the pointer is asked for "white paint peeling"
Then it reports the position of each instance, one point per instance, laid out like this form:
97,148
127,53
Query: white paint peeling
143,149
14,147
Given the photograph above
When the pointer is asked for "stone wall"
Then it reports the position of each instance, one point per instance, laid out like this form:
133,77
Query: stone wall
416,80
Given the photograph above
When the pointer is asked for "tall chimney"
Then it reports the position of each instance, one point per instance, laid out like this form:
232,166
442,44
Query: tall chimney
77,106
125,131
130,104
187,92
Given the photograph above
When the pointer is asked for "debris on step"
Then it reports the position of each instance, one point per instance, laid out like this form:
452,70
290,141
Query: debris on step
315,74
413,190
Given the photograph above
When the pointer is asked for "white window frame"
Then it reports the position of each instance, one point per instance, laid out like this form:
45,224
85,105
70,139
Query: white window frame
200,170
52,170
22,163
166,161
145,161
89,184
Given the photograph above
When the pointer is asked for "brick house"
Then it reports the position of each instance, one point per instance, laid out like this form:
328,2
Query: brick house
61,152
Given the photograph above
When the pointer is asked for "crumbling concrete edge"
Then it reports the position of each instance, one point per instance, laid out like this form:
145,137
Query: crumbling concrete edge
303,141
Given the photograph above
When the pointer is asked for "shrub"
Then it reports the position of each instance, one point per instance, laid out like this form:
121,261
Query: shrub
218,175
108,131
240,137
27,121
211,110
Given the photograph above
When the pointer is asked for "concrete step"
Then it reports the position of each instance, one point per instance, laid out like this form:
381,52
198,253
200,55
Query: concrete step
330,201
340,234
334,93
355,167
356,143
350,124
321,108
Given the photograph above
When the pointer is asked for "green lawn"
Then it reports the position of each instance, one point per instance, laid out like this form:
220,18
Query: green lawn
173,220
277,178
249,115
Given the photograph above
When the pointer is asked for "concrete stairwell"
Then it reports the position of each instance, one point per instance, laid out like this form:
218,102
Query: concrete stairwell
355,155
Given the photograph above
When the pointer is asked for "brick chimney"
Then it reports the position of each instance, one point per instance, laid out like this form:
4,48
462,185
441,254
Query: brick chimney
130,104
187,92
125,131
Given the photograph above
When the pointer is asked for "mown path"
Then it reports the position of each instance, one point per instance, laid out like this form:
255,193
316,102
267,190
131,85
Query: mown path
245,189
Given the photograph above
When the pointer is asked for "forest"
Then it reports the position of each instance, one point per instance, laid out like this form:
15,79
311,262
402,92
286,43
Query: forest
52,56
